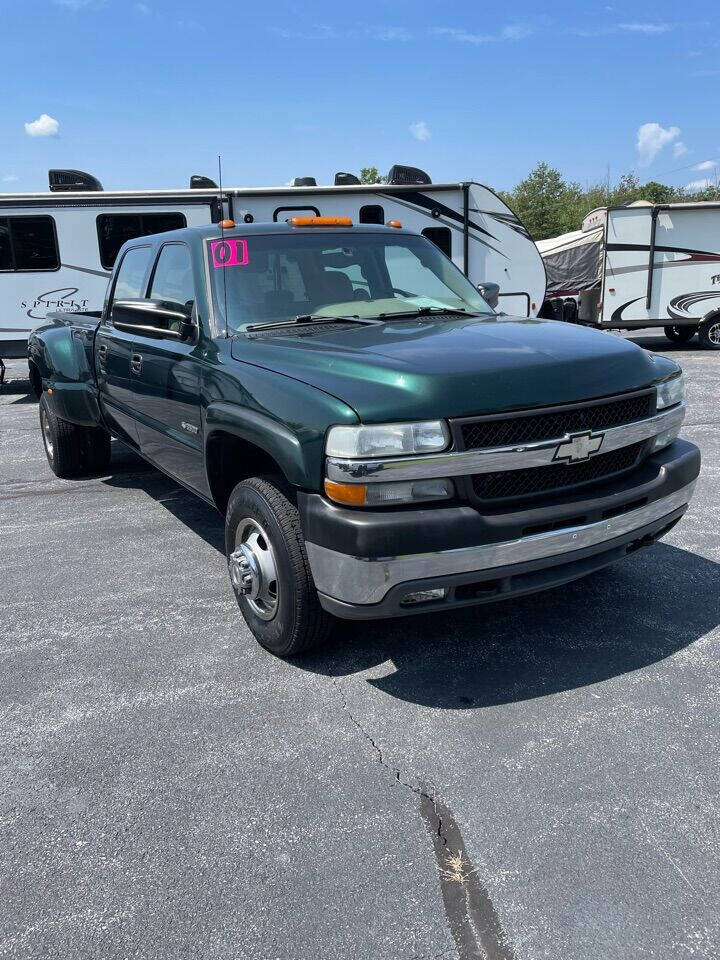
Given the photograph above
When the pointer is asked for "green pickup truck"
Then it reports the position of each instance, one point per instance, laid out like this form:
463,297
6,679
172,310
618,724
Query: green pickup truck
380,440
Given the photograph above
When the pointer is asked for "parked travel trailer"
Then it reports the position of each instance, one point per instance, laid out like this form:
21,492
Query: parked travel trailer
637,266
57,249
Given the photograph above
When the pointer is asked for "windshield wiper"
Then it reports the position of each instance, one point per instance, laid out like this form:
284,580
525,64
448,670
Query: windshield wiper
306,318
424,312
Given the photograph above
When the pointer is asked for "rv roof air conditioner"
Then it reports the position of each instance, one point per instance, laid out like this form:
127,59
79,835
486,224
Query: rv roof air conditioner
198,182
304,182
60,180
346,180
400,175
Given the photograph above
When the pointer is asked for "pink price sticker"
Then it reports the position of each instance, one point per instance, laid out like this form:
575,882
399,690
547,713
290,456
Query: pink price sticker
229,253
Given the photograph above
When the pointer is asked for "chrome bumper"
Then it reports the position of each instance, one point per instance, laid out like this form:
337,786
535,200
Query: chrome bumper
366,580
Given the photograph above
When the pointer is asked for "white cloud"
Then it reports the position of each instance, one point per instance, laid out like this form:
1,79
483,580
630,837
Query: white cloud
143,9
10,178
651,138
679,149
700,184
649,28
513,31
706,165
516,31
420,130
44,126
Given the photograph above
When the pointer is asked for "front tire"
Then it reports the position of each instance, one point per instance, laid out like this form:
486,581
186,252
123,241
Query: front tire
269,569
709,333
72,450
680,334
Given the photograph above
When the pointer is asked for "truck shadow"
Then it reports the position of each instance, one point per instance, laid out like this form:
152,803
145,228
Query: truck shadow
624,618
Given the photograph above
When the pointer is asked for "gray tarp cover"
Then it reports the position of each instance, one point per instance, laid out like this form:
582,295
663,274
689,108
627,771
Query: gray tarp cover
573,261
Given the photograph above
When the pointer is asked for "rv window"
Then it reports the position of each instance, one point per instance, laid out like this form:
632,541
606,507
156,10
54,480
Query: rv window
115,228
129,283
28,243
441,237
173,277
372,213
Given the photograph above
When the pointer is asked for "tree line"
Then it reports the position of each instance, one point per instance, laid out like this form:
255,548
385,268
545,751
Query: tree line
549,205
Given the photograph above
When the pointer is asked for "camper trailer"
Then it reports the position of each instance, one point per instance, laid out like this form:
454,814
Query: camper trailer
642,265
57,249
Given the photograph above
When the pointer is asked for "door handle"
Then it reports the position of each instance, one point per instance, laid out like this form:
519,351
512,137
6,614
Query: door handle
136,363
101,356
102,349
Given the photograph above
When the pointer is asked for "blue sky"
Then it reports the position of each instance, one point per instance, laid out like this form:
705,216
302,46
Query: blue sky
142,94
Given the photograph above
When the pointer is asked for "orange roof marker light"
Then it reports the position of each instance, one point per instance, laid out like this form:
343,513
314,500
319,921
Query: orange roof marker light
394,223
226,224
321,222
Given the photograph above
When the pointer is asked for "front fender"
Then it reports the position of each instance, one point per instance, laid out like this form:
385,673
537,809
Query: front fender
285,418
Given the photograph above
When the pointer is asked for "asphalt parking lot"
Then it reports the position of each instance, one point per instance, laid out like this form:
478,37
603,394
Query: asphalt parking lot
171,790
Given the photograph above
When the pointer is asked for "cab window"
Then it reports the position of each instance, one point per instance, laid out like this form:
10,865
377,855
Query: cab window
173,277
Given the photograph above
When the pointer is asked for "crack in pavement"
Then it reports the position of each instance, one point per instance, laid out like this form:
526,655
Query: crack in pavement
472,919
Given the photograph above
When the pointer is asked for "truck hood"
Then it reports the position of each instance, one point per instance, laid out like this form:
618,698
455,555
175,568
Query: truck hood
428,368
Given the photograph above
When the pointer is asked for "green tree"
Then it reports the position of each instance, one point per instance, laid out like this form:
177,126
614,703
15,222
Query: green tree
541,201
371,175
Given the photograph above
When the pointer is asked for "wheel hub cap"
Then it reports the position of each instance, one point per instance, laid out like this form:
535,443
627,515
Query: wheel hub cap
253,571
714,333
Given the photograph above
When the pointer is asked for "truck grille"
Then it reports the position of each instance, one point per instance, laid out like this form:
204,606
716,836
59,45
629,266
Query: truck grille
531,427
524,483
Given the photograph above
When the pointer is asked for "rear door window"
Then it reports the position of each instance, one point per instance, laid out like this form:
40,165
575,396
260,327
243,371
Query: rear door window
130,280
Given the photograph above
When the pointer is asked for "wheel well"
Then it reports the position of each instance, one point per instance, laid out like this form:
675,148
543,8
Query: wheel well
229,460
35,379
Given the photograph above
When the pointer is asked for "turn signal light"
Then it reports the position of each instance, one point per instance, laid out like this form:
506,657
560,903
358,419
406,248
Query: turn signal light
321,222
350,493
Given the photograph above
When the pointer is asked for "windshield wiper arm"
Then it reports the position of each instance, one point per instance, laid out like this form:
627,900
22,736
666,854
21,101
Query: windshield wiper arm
424,312
305,318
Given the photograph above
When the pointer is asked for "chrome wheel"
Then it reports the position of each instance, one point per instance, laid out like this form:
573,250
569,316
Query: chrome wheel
713,334
46,434
253,570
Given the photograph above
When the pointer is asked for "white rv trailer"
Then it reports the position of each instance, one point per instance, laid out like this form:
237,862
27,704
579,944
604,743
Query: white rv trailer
57,249
642,265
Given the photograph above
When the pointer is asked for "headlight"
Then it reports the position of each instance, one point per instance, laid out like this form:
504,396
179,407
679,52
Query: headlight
387,439
671,392
386,494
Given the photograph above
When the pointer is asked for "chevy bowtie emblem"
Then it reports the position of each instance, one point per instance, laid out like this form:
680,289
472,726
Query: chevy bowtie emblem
580,446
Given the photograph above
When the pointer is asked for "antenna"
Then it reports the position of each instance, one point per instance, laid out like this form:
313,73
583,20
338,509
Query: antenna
222,237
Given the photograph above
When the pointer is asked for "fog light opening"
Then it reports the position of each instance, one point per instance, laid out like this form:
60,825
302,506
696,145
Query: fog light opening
424,596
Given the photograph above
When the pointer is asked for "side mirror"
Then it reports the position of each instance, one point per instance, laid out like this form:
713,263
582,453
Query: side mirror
491,292
153,318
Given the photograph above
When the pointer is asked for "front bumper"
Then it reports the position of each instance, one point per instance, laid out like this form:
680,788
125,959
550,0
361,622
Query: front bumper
365,562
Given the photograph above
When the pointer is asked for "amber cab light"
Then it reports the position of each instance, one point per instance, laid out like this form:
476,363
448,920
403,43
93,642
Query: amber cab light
321,222
395,223
227,224
351,493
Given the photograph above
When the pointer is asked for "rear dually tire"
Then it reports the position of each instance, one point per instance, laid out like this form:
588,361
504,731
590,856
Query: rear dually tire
72,450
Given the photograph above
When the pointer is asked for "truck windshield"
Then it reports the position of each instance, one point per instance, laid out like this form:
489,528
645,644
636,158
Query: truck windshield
270,278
